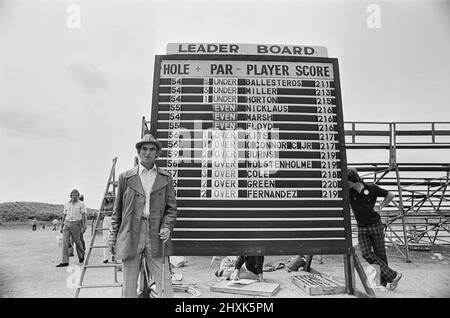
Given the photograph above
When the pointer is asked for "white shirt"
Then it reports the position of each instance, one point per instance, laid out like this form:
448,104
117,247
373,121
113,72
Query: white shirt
74,211
147,179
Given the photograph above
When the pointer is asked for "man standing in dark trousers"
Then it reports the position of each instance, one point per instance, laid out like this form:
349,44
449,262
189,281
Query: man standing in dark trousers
363,198
74,220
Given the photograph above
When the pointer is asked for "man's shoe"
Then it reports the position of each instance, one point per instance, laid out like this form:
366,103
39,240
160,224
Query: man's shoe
381,288
62,265
105,261
395,281
81,260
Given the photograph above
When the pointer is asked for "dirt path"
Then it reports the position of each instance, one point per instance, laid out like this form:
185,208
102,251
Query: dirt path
28,259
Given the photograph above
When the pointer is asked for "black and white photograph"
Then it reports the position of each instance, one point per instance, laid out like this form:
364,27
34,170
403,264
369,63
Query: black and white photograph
227,153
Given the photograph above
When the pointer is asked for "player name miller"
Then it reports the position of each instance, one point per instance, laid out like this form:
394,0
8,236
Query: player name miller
260,90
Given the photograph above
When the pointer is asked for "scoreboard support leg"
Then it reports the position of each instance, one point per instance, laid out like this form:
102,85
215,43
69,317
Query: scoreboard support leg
349,273
362,275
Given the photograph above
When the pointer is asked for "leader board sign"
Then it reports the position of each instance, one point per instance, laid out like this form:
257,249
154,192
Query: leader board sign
246,49
255,145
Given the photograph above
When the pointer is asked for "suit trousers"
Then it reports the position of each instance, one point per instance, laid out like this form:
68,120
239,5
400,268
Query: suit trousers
72,228
131,267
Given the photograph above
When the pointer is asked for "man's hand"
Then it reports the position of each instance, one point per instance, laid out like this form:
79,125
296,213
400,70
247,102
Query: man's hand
164,234
235,275
377,208
83,229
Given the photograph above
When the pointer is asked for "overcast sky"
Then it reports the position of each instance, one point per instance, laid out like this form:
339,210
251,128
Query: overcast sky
71,99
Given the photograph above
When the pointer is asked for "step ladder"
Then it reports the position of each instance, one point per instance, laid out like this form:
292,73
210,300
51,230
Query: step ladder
111,186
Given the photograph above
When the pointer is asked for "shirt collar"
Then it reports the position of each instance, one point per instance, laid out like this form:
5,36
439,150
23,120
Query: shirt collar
144,169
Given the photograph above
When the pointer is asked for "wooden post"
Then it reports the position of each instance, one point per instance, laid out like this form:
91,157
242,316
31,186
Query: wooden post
399,187
362,275
349,273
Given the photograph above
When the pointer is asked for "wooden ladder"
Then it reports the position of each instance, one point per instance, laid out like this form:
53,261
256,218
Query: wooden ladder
94,229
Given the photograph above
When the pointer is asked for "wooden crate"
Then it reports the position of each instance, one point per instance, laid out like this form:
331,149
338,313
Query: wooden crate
255,289
314,284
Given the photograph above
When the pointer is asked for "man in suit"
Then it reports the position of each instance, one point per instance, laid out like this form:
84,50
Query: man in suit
143,218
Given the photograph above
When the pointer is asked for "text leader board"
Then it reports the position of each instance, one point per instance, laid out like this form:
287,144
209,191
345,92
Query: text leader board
256,148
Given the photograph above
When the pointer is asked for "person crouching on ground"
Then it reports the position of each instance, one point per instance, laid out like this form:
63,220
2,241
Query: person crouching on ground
248,267
363,199
74,220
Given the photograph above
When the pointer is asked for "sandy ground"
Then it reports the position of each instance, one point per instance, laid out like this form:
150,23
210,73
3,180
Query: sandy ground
28,259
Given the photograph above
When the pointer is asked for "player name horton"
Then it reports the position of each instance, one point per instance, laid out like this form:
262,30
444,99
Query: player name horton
249,129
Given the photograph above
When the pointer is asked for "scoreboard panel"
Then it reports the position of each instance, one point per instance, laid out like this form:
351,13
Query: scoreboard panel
256,148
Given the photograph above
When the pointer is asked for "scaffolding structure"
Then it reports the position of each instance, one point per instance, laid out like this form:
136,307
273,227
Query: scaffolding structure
419,215
420,212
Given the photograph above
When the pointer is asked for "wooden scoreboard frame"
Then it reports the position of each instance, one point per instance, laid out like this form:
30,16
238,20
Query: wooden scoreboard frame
268,247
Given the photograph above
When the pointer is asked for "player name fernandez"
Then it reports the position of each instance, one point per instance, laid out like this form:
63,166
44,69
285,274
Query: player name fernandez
272,194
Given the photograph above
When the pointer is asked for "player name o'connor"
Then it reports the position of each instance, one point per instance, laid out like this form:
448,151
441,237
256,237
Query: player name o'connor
246,49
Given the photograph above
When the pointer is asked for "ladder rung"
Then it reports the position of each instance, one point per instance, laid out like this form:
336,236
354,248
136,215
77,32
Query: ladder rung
102,265
101,286
102,228
99,246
